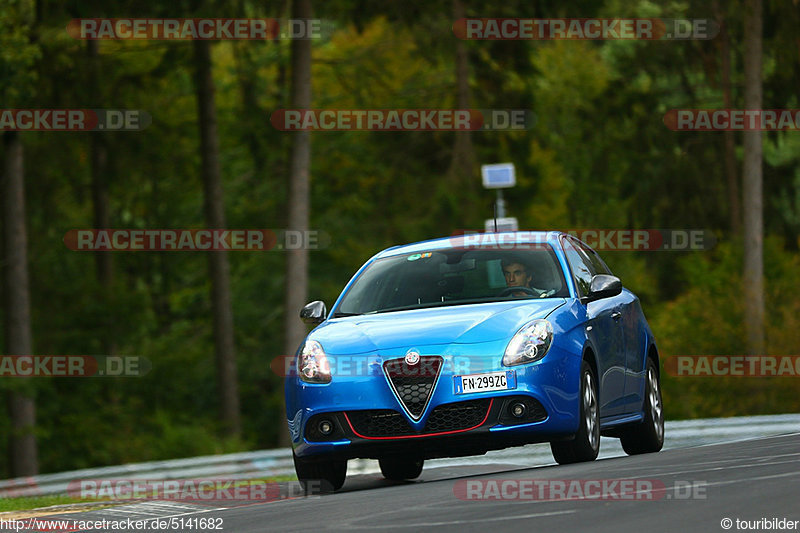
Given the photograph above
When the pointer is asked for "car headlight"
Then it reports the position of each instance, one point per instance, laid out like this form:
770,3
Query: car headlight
530,343
312,363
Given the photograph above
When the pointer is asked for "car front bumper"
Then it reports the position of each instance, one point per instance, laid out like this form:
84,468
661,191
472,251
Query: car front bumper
369,421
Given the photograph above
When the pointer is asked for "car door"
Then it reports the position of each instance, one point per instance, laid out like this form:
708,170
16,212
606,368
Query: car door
635,336
603,328
630,320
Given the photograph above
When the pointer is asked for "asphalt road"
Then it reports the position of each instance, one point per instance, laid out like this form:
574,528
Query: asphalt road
683,490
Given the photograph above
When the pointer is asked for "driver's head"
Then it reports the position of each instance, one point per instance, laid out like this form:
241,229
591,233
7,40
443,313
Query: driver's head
516,273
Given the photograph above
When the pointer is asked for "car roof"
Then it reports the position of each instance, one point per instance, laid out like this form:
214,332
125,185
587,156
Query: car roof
477,239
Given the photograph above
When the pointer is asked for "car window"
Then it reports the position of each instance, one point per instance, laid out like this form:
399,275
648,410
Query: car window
454,276
582,270
598,265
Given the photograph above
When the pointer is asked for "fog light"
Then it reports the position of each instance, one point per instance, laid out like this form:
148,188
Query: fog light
325,427
518,409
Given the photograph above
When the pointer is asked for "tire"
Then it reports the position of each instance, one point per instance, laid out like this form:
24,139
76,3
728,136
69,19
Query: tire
398,469
647,436
585,445
320,475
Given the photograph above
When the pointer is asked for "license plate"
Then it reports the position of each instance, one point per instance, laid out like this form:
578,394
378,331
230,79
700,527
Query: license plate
490,381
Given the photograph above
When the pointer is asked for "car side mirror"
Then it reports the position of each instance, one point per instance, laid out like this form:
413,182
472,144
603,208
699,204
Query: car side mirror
603,286
314,312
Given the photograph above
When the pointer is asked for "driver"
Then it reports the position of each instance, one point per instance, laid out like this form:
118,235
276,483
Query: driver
517,275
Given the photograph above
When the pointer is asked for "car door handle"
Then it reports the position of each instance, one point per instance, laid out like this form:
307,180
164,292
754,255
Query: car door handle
616,315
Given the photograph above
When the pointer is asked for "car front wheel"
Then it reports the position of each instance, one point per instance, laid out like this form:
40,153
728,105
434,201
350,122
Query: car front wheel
320,475
586,444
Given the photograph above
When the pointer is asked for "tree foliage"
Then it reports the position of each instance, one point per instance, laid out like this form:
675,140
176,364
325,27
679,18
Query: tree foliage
599,156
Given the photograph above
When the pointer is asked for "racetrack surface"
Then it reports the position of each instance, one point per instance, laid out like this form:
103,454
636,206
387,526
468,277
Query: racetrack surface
693,489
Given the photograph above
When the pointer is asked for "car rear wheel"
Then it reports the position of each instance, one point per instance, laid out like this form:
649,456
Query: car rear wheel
400,468
320,475
586,444
648,436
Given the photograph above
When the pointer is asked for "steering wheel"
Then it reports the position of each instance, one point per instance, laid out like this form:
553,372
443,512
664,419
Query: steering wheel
508,291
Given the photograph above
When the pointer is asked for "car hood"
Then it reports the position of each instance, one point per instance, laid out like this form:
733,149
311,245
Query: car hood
461,324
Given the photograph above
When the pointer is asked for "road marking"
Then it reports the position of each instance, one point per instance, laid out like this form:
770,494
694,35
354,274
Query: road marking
156,510
654,473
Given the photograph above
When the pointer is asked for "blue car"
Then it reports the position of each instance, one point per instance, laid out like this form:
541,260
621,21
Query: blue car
461,345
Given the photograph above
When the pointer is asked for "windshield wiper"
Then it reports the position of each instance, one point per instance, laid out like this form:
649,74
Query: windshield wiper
467,301
340,314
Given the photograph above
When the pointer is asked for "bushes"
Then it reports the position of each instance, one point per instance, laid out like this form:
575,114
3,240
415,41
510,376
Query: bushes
707,319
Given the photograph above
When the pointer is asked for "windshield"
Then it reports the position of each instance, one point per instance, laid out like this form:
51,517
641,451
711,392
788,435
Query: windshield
453,277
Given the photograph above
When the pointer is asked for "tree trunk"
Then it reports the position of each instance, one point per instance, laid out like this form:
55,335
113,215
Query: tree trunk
734,204
462,163
253,116
23,453
100,200
218,266
299,188
99,159
101,218
752,186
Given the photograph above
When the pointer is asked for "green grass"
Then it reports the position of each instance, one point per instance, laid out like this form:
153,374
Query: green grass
35,502
276,479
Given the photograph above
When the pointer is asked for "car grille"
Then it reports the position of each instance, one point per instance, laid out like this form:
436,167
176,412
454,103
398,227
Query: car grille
413,385
448,417
379,423
455,416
